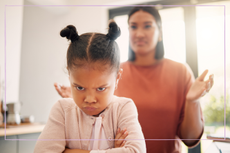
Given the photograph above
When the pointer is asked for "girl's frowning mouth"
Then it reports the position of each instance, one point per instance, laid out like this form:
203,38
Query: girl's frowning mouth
88,108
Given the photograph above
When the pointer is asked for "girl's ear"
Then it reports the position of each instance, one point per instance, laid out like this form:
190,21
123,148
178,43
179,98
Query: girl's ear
119,76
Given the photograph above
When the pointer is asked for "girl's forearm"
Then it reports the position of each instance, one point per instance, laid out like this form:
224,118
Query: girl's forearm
192,125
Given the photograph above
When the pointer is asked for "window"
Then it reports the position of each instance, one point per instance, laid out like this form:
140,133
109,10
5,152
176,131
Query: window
123,40
210,49
174,33
173,26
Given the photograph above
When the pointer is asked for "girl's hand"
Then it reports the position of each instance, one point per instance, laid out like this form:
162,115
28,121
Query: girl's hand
120,136
200,87
63,91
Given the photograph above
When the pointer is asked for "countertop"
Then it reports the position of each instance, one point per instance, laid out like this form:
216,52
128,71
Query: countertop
23,128
220,144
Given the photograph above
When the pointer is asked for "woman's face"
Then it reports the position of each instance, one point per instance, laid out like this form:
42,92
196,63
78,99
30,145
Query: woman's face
144,32
92,88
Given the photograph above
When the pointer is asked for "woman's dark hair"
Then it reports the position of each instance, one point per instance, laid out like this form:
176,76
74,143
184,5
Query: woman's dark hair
92,47
154,12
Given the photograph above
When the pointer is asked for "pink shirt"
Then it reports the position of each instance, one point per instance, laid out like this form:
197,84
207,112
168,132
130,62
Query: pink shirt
68,126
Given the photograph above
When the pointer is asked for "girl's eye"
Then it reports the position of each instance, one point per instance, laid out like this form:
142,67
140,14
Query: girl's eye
80,88
101,89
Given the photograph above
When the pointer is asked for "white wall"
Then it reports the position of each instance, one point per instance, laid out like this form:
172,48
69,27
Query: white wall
44,53
13,18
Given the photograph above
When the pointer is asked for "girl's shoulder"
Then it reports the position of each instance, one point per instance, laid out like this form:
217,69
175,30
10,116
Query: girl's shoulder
121,104
120,100
65,104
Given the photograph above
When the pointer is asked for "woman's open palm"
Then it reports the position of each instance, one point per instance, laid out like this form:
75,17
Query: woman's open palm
200,87
63,91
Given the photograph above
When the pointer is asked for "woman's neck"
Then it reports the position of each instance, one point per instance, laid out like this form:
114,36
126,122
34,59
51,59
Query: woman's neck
145,60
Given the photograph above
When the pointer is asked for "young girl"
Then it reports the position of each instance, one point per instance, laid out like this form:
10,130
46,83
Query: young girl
92,120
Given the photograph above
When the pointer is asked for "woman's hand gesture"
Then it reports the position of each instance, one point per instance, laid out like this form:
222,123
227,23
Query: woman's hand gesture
63,91
200,87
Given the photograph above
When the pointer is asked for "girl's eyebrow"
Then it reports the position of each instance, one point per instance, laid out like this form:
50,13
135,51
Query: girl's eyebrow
75,84
104,85
99,86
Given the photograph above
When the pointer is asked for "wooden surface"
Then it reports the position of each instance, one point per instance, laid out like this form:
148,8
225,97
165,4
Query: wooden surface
23,128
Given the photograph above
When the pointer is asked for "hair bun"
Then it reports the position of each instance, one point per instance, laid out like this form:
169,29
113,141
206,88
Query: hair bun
70,33
114,31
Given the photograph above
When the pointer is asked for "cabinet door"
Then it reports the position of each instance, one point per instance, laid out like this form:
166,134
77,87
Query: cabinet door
27,142
8,146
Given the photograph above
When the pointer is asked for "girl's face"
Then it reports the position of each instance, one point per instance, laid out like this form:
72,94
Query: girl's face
144,32
93,89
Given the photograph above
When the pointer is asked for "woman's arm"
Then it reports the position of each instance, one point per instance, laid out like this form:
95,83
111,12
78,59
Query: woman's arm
192,124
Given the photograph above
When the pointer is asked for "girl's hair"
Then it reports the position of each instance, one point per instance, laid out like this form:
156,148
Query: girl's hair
159,54
92,47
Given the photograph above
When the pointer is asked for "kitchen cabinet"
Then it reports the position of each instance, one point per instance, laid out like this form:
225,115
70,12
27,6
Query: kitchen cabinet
8,146
23,145
20,138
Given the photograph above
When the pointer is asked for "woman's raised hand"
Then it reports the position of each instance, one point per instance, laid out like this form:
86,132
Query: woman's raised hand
200,87
120,136
63,91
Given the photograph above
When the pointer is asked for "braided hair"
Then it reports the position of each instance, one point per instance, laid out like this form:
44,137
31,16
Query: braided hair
92,47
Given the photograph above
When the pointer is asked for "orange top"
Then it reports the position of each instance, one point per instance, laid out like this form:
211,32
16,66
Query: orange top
159,92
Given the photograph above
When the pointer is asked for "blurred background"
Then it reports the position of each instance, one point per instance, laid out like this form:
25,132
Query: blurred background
33,55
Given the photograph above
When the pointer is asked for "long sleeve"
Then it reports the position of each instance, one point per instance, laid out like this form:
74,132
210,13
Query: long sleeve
52,138
128,118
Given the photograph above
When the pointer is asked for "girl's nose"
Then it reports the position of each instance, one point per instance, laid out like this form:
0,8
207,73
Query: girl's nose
90,99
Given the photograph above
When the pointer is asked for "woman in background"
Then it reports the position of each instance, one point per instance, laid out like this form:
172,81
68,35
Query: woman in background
164,91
